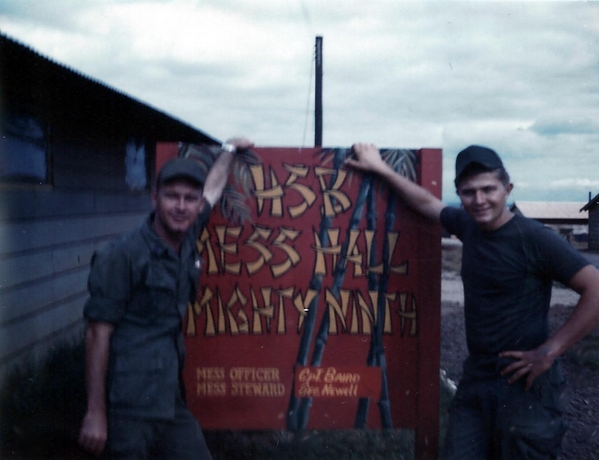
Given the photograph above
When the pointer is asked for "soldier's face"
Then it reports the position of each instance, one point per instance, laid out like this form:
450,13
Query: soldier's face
177,205
484,198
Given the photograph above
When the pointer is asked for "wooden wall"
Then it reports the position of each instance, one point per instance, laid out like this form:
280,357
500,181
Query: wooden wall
79,129
48,233
594,228
47,238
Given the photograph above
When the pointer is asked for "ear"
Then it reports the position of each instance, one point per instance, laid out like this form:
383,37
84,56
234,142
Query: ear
509,188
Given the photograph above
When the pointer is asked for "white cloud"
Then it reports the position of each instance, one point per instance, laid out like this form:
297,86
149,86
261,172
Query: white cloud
576,183
520,77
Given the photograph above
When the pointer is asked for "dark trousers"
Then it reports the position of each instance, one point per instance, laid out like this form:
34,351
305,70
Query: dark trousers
490,419
144,439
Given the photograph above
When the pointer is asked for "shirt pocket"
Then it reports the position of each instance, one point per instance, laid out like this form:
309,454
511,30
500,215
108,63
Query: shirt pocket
550,387
137,383
159,294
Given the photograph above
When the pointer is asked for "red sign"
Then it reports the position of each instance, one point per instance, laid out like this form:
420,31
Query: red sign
338,382
319,304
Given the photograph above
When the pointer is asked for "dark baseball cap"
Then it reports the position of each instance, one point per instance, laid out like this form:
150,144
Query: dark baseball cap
475,154
181,168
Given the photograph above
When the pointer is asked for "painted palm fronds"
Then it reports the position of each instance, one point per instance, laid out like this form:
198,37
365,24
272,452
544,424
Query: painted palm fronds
402,161
233,205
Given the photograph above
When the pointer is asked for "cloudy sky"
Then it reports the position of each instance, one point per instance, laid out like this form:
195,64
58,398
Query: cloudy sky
520,77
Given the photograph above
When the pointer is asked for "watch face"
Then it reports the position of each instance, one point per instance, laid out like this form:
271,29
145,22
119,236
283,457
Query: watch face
229,148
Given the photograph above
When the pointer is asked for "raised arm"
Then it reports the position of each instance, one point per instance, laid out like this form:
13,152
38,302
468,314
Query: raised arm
418,198
584,318
219,173
94,429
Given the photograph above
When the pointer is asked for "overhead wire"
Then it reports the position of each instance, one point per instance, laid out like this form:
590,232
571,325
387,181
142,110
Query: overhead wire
308,105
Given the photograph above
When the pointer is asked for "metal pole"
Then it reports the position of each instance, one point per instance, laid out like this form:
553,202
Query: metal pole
318,95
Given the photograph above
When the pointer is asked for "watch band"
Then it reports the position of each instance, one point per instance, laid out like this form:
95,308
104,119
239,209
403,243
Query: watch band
228,147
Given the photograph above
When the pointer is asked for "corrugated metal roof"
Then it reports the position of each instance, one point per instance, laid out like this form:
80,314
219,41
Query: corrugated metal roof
67,97
551,209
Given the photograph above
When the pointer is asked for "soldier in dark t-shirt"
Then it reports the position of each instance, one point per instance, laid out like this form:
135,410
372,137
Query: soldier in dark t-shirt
508,275
140,286
508,403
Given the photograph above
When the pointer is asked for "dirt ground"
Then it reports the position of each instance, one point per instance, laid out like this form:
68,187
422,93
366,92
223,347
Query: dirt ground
580,363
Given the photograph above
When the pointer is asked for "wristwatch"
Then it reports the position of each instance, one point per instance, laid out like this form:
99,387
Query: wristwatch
228,148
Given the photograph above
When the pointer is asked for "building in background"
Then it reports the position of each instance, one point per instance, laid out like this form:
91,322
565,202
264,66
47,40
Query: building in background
592,208
76,162
565,217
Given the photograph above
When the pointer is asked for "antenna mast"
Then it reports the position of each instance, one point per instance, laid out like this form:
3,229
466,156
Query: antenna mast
318,95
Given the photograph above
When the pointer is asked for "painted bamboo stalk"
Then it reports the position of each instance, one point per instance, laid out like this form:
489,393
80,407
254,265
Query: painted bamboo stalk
293,411
379,350
400,160
373,282
298,413
401,165
339,276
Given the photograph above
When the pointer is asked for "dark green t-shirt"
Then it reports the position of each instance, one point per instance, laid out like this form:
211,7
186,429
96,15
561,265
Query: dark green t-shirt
507,275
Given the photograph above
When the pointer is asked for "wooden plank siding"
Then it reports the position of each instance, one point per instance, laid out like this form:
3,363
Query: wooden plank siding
594,228
45,253
58,206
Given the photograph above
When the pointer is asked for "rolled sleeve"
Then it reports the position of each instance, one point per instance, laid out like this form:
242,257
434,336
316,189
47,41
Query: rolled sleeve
108,285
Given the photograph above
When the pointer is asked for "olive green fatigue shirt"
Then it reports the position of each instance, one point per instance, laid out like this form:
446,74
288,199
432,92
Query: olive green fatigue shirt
139,284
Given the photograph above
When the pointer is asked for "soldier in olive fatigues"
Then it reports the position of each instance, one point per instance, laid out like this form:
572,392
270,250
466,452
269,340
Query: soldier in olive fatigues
140,286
